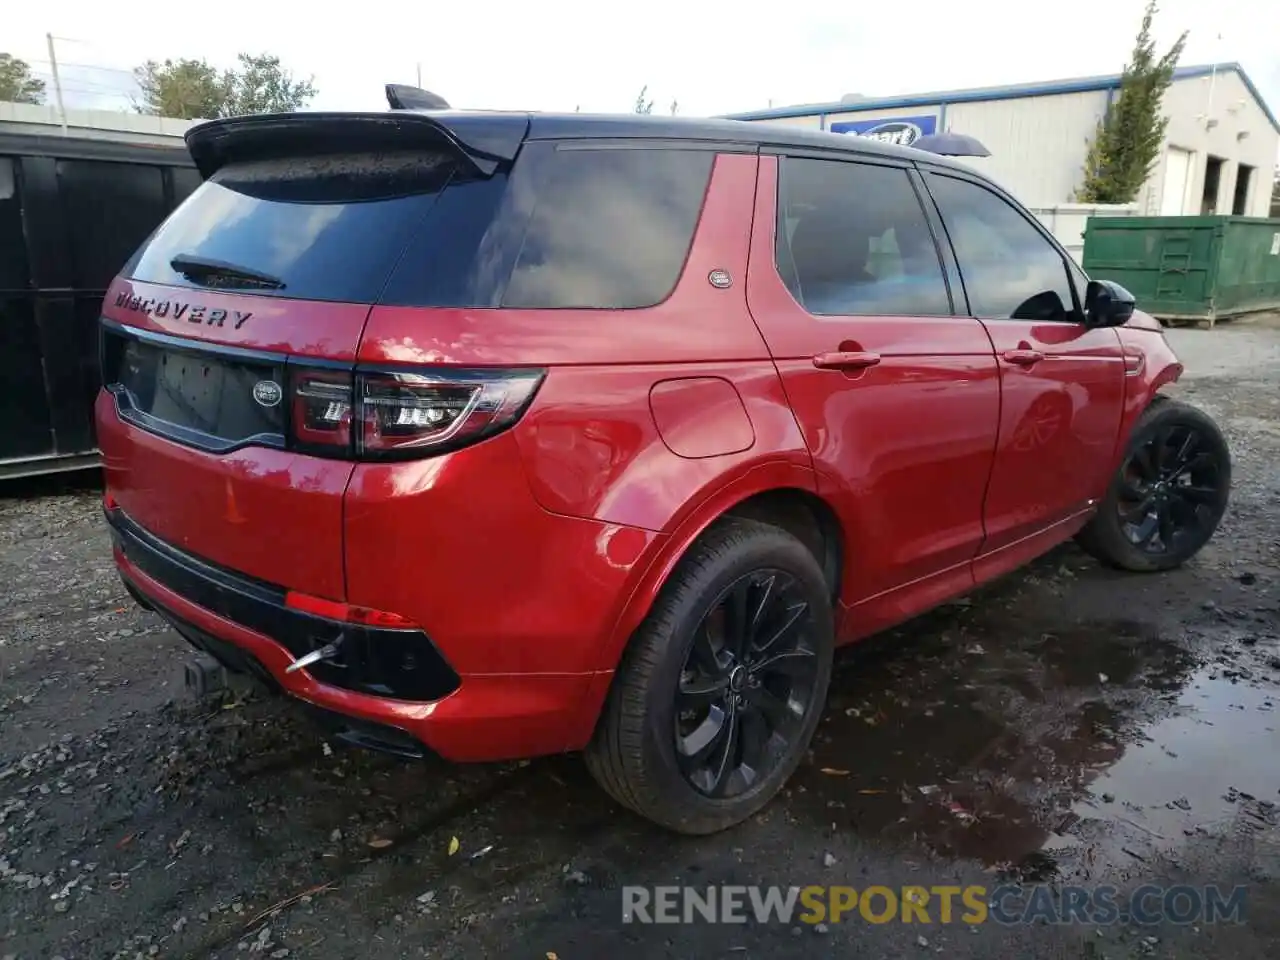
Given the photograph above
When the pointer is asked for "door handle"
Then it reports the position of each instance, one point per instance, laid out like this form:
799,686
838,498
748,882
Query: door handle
1023,358
844,360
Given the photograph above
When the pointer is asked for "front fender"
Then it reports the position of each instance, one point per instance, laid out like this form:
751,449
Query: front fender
1150,365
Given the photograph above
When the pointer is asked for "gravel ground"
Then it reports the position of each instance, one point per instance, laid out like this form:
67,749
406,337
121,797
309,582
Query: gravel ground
1065,725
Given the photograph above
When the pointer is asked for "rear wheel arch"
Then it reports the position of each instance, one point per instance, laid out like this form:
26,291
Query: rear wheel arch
789,502
638,752
780,493
807,517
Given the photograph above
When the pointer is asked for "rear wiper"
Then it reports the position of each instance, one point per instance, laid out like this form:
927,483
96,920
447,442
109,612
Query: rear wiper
219,273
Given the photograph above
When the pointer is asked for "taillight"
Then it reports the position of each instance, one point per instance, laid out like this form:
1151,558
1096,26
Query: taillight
322,408
404,413
379,415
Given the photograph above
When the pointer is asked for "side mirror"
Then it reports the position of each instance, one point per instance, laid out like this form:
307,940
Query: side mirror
1107,304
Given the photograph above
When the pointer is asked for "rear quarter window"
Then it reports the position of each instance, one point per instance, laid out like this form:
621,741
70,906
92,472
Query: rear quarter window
610,229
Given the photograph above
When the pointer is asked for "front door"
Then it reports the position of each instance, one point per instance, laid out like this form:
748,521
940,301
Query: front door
1062,383
897,397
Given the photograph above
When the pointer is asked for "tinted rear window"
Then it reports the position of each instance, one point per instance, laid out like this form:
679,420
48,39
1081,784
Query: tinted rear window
610,228
568,227
328,228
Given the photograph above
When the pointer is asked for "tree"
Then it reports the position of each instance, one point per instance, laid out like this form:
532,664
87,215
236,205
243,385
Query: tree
675,105
643,105
1129,136
261,85
186,89
195,89
17,83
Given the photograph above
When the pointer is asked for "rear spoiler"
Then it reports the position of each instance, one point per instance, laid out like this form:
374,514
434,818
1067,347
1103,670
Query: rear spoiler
485,141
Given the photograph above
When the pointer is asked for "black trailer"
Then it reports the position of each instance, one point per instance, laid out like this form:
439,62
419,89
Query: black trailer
72,212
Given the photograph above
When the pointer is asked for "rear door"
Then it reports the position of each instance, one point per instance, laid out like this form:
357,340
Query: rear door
1062,382
898,399
269,269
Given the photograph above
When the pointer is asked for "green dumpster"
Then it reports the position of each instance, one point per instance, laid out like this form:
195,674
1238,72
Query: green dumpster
1188,268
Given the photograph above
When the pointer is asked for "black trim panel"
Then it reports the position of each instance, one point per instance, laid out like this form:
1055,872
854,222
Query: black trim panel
196,439
380,662
188,345
351,730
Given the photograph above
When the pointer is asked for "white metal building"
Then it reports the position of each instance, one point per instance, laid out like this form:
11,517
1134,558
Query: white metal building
1219,155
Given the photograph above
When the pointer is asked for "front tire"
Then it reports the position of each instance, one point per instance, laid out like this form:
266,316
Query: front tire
720,690
1168,496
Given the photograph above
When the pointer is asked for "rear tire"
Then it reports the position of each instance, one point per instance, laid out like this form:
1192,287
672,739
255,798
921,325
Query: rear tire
1169,495
691,683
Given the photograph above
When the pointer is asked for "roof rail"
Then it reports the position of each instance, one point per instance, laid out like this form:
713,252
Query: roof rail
401,96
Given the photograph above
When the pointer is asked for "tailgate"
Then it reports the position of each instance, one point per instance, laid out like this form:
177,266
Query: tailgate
271,514
229,340
193,432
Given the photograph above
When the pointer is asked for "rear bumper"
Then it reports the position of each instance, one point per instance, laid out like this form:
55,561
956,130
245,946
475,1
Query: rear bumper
246,625
398,663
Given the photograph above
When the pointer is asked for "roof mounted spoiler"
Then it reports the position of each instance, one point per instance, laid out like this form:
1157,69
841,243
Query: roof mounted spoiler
404,97
215,144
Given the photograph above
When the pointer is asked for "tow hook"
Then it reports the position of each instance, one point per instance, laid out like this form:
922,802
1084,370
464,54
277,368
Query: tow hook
204,675
327,652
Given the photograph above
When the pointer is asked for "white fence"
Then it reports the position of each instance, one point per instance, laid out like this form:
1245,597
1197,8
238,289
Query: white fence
1066,221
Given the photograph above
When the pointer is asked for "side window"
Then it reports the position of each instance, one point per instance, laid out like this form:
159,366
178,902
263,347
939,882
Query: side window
853,240
1010,270
611,228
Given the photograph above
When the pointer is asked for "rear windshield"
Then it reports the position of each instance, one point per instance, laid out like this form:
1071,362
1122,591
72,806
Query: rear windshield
565,228
327,228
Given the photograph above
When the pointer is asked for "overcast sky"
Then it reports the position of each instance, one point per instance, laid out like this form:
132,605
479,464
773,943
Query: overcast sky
712,57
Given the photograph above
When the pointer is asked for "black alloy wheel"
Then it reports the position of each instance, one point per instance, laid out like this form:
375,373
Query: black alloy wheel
747,684
1172,486
721,688
1169,495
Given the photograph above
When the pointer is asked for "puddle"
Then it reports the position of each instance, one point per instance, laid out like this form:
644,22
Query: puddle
1217,758
1038,752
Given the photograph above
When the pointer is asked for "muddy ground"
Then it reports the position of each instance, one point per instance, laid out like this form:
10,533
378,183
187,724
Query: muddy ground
1066,725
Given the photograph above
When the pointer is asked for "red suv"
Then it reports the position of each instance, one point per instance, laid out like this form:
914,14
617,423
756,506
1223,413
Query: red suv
498,435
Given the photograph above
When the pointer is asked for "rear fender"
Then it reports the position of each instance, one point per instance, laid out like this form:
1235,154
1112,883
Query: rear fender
666,553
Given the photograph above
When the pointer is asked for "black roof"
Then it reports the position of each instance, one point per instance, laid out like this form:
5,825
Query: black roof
547,126
492,137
